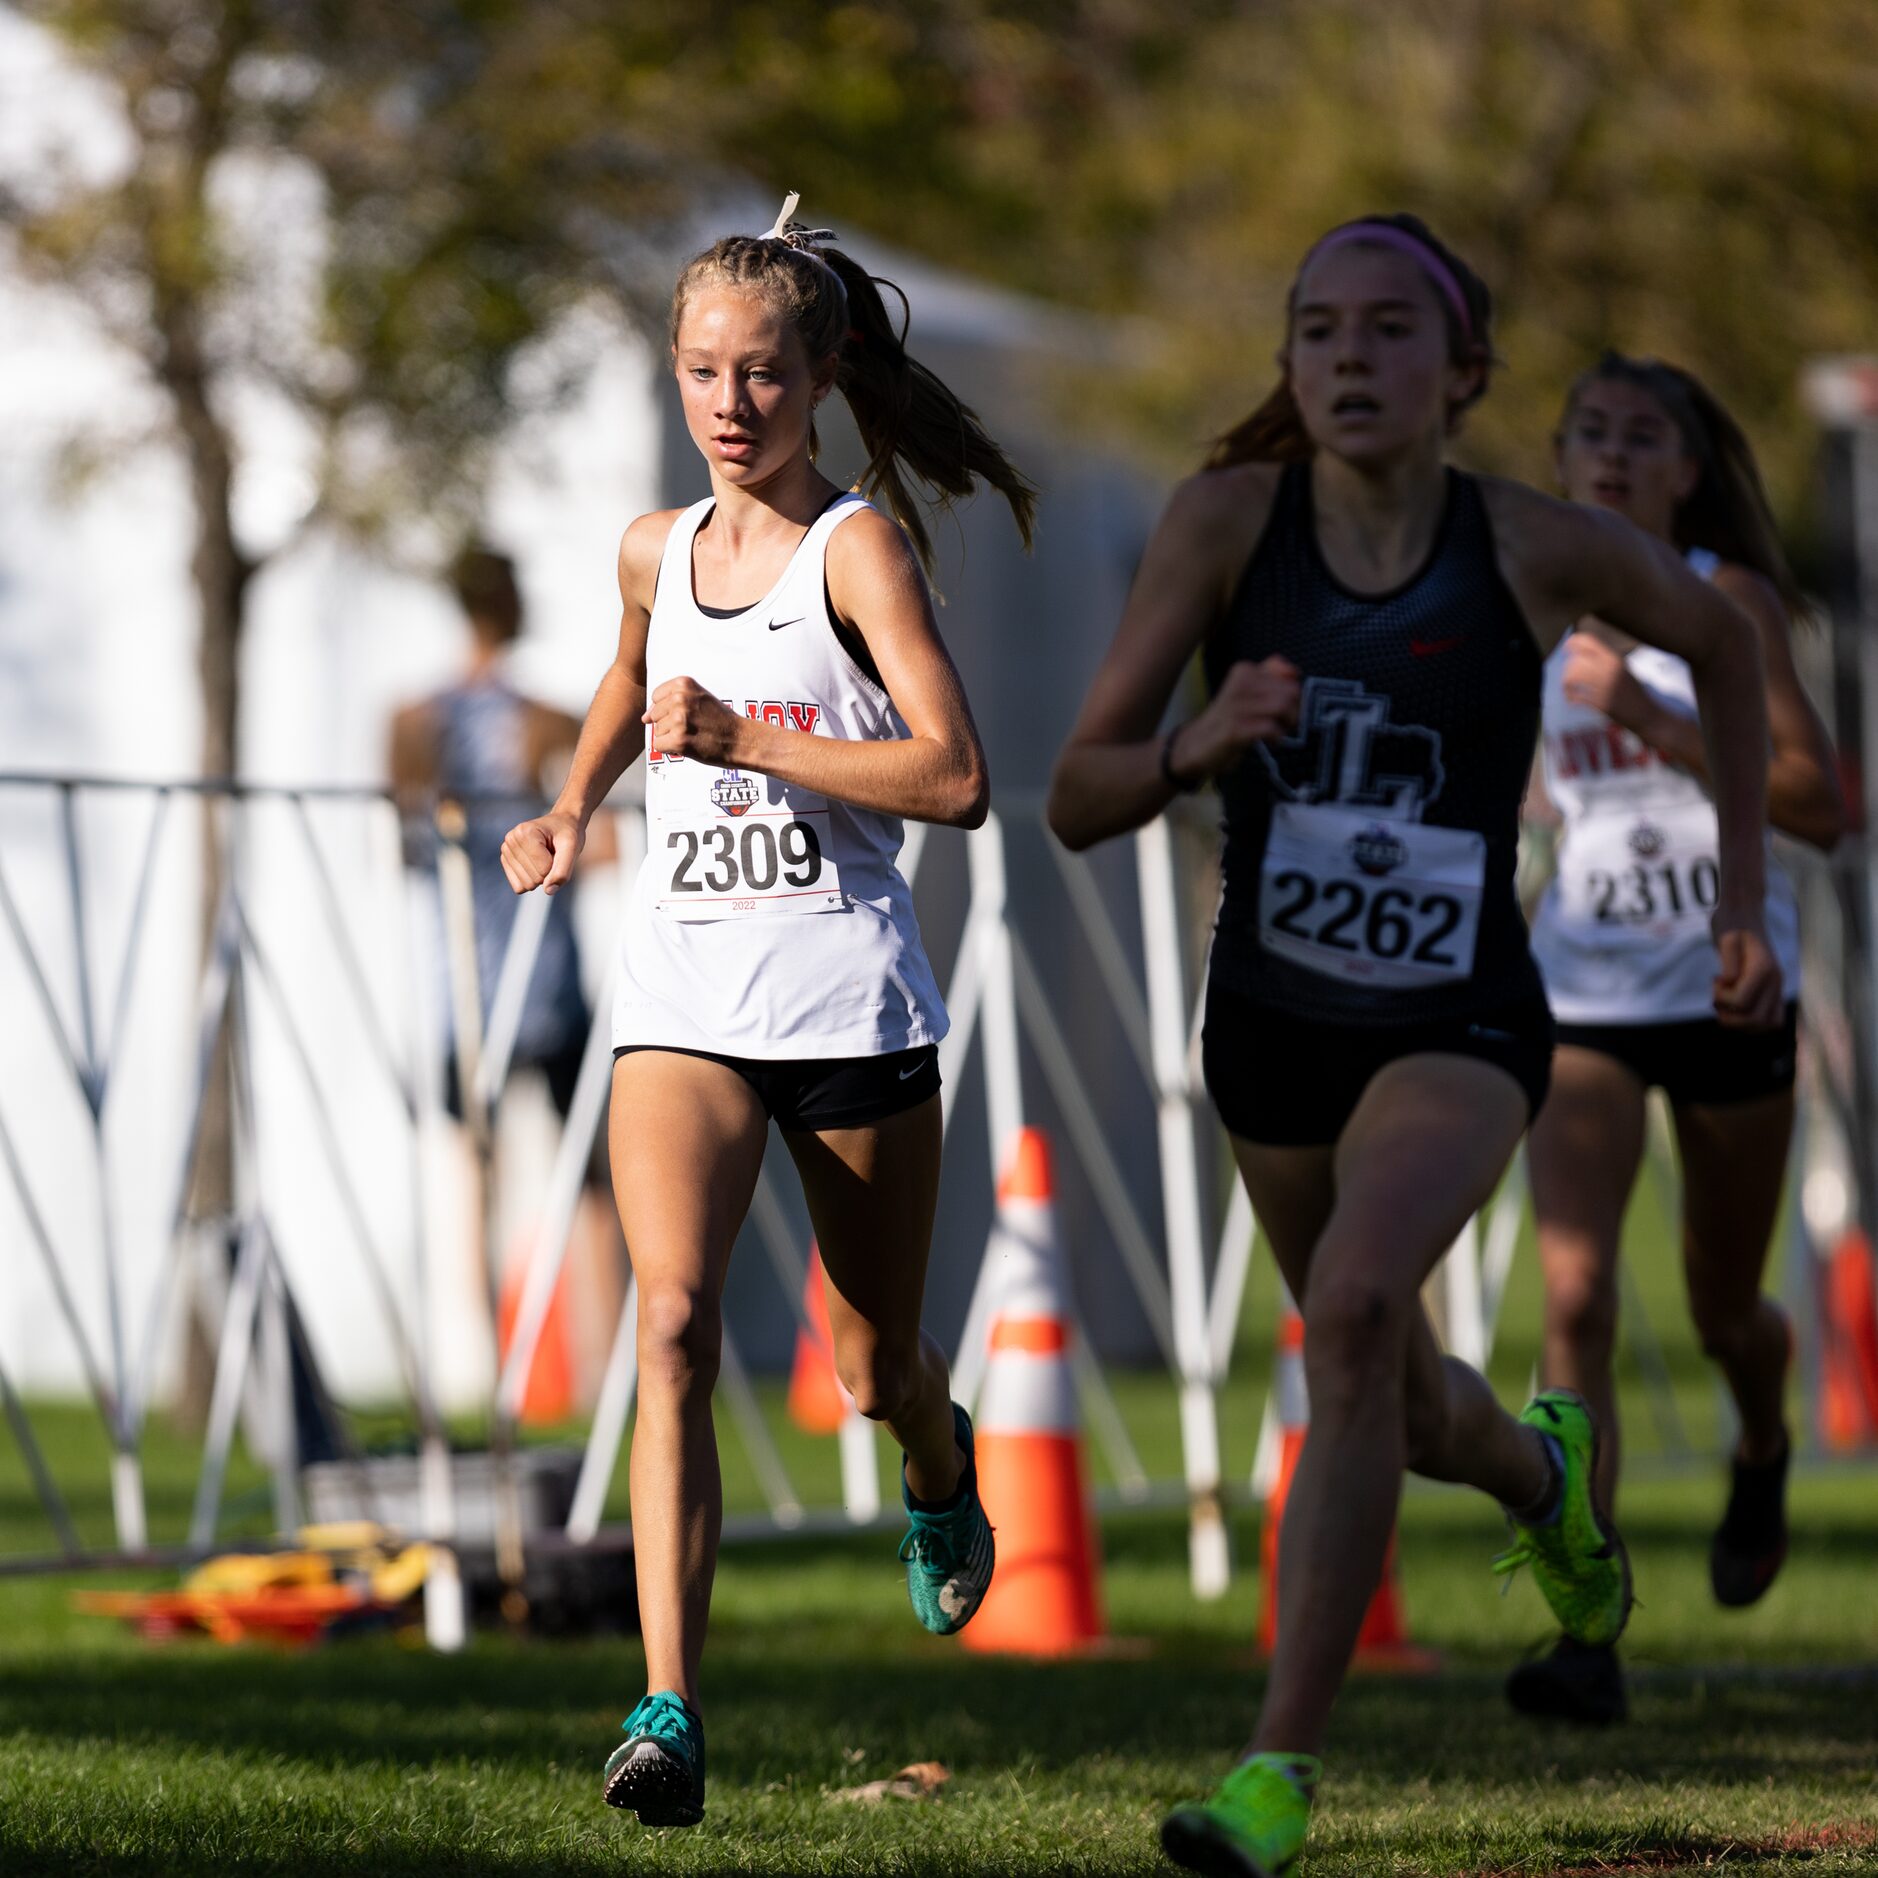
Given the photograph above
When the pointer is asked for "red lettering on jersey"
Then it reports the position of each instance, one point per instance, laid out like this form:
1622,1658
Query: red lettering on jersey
1628,751
768,710
805,716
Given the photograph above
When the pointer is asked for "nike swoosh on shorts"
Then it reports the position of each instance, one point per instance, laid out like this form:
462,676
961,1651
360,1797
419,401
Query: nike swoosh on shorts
914,1071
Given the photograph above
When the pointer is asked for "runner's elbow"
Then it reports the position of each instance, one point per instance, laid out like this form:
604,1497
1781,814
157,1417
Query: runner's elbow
1822,824
971,796
1075,819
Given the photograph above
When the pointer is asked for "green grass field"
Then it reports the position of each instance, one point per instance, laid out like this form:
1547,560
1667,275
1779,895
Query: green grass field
1753,1743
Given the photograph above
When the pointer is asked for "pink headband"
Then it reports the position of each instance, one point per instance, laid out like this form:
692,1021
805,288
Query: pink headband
1386,235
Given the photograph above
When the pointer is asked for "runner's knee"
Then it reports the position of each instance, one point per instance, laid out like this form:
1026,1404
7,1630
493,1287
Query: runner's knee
1581,1310
1356,1330
680,1332
883,1378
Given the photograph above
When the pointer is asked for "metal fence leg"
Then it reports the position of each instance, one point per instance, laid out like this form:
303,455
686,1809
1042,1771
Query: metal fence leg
1180,1198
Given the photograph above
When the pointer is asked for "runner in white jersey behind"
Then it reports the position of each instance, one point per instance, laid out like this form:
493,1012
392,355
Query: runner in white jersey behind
1623,939
780,666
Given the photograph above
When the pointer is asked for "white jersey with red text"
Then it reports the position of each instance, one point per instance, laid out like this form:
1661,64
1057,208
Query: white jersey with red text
1622,935
769,921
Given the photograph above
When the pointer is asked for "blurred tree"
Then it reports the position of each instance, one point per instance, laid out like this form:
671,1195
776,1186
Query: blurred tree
445,198
1689,177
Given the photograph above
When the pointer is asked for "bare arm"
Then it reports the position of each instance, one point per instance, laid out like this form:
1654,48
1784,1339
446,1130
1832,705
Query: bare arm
935,774
413,752
1803,795
1564,562
541,852
1109,777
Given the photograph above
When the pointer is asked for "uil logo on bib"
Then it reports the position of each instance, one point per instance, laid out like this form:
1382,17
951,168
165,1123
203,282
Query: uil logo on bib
1378,850
1646,841
735,793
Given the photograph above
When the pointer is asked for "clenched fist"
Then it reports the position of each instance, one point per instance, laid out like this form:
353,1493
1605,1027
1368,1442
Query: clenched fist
541,853
1254,704
687,721
1597,677
1748,993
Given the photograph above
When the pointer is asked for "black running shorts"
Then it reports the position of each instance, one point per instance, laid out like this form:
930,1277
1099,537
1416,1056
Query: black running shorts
1286,1083
1701,1061
811,1093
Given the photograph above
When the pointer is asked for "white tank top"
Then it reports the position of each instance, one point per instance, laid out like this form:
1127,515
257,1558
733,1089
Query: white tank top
1622,934
769,921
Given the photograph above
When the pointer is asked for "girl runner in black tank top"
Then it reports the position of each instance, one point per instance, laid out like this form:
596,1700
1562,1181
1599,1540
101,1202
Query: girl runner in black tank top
1373,1023
1419,706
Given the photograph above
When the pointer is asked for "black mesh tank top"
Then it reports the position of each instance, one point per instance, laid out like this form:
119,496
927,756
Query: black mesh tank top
1419,712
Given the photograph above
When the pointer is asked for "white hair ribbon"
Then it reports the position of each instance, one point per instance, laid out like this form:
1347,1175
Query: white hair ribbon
782,221
793,232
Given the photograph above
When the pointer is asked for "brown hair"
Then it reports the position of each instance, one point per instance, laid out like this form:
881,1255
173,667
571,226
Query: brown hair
1727,512
909,421
1275,433
486,590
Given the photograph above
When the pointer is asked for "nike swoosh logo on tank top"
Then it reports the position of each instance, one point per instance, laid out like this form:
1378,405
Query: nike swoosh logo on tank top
776,625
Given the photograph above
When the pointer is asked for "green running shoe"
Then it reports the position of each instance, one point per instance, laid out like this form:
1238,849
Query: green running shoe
1576,1556
658,1771
1254,1824
949,1556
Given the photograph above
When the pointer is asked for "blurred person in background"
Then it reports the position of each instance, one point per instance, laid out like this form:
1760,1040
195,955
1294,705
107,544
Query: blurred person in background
1623,937
482,744
1373,626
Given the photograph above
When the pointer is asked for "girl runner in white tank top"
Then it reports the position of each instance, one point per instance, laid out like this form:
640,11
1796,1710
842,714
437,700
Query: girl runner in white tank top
1623,938
780,668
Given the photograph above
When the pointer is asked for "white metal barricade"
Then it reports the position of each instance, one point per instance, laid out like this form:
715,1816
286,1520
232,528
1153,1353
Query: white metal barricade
1001,1007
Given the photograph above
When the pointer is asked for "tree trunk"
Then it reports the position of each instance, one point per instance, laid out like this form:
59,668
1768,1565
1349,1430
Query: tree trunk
220,574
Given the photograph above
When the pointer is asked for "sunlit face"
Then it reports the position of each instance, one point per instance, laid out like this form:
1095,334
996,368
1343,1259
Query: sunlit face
1368,355
748,385
1620,449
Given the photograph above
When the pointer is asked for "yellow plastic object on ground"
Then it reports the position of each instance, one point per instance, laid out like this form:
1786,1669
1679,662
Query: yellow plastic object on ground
343,1571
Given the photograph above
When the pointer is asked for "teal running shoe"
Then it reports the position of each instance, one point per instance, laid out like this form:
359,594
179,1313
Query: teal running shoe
658,1771
949,1556
1254,1824
1577,1558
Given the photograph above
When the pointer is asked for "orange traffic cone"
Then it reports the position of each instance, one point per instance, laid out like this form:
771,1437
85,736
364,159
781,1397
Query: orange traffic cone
549,1394
818,1404
1848,1367
1383,1642
1045,1598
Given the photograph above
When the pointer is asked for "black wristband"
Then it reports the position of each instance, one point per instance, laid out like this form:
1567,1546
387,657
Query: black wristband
1167,766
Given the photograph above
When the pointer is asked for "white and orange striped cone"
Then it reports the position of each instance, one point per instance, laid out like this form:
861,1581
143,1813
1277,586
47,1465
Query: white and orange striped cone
818,1404
1383,1642
1045,1597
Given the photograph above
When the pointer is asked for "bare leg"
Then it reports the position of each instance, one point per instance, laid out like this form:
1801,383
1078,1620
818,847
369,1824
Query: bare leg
1373,1370
872,1193
1734,1159
687,1140
1583,1156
